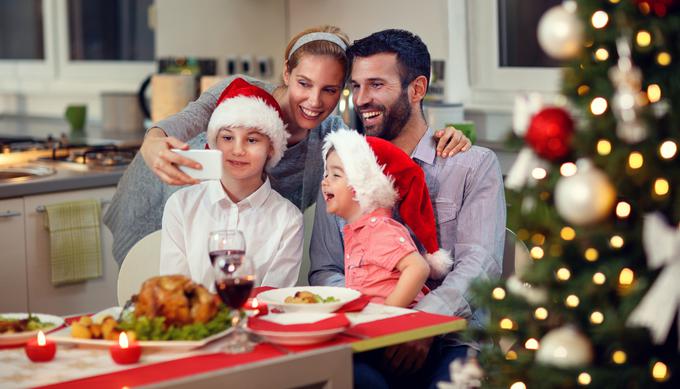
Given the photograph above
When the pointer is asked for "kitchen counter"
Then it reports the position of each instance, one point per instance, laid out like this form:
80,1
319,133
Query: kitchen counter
67,177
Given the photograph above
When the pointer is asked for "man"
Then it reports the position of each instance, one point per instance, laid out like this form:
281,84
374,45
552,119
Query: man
389,79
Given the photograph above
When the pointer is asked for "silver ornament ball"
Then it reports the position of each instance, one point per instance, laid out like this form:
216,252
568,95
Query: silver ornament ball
586,197
560,32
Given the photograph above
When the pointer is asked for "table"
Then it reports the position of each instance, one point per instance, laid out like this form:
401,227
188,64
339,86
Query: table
323,365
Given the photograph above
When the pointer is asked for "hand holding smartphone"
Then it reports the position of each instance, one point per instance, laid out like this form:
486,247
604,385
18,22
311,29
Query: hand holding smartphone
210,160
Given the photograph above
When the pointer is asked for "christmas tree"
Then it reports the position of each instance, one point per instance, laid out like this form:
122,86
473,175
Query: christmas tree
595,196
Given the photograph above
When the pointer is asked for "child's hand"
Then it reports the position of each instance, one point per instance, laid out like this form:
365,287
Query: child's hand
451,142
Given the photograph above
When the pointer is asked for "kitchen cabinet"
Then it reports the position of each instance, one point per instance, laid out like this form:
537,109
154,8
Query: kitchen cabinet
32,265
88,296
13,288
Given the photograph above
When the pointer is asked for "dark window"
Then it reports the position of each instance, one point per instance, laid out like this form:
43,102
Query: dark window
21,29
109,30
518,22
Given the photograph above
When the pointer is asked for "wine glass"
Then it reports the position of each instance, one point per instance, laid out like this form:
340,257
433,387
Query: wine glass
234,280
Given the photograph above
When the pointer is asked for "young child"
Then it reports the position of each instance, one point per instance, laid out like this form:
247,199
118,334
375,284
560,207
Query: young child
247,127
364,177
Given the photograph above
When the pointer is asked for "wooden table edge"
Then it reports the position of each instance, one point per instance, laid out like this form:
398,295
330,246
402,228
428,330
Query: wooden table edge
407,336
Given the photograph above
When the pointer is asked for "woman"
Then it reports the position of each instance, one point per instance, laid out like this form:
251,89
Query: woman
315,71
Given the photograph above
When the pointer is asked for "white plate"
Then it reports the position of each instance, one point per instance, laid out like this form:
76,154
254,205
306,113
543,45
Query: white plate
275,298
22,337
64,336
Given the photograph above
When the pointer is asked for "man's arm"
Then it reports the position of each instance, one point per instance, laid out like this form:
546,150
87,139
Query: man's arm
479,238
326,251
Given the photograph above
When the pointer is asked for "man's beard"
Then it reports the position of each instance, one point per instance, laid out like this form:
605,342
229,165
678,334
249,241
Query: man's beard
394,119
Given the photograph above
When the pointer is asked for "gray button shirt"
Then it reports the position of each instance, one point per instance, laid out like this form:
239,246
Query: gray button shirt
469,204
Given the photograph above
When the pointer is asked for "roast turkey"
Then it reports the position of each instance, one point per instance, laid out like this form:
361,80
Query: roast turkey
176,298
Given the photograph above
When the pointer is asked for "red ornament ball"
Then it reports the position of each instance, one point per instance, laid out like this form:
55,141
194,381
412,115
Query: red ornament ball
550,132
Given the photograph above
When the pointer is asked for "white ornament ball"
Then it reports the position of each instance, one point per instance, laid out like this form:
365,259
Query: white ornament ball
560,32
565,347
533,295
586,197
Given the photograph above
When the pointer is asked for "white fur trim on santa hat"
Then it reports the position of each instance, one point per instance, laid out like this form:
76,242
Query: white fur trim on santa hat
440,263
251,112
373,189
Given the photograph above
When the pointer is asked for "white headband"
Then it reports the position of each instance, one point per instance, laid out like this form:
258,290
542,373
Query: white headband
317,36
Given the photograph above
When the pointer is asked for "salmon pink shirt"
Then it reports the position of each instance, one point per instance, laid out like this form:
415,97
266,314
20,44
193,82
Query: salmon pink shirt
374,245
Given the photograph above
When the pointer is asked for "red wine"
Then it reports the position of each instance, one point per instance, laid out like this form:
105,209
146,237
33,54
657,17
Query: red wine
229,256
234,291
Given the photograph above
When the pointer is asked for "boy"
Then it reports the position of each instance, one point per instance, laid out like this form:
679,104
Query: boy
247,126
364,177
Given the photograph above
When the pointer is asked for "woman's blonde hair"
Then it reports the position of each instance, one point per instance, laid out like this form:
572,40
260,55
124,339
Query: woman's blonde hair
318,47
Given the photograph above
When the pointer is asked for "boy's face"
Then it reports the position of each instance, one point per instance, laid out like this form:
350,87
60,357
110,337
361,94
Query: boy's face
337,193
245,152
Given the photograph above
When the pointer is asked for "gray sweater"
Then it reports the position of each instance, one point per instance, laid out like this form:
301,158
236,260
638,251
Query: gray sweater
137,207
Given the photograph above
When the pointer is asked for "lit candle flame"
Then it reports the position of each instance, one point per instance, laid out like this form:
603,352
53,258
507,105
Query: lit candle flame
123,340
41,338
254,304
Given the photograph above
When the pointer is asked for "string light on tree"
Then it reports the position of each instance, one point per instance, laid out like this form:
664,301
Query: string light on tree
597,317
599,19
622,209
541,313
661,187
518,385
626,277
536,252
598,106
507,324
563,274
635,160
601,54
668,149
591,254
660,372
643,38
584,379
616,241
511,355
604,147
531,344
567,233
619,357
498,293
568,169
599,278
663,58
582,90
572,301
539,173
653,93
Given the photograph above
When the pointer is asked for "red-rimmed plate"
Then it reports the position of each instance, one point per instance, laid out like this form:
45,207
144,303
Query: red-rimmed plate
300,328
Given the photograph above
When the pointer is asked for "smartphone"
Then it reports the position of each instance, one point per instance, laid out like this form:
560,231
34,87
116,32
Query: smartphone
210,160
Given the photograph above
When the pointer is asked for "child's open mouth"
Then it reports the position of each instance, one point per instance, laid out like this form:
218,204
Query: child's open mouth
328,196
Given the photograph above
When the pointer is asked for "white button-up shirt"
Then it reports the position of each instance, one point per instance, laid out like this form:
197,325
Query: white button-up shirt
271,225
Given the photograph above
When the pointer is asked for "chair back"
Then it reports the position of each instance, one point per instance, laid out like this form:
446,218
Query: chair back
515,255
142,262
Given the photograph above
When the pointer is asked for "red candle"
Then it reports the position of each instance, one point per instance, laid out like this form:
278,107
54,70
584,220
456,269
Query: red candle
125,352
40,349
255,307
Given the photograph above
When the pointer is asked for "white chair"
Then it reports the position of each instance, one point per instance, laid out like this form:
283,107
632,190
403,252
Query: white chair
515,255
142,262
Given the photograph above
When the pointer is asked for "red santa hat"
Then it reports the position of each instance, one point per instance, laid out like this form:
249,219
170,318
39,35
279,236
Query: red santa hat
381,174
245,105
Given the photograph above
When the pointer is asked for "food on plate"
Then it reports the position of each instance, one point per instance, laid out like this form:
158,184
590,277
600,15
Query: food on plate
305,297
104,328
31,323
177,299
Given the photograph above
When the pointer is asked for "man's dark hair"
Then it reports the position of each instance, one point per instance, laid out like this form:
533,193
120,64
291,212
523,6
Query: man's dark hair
413,57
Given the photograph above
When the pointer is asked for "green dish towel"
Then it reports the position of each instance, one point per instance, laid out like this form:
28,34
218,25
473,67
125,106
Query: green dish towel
75,241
